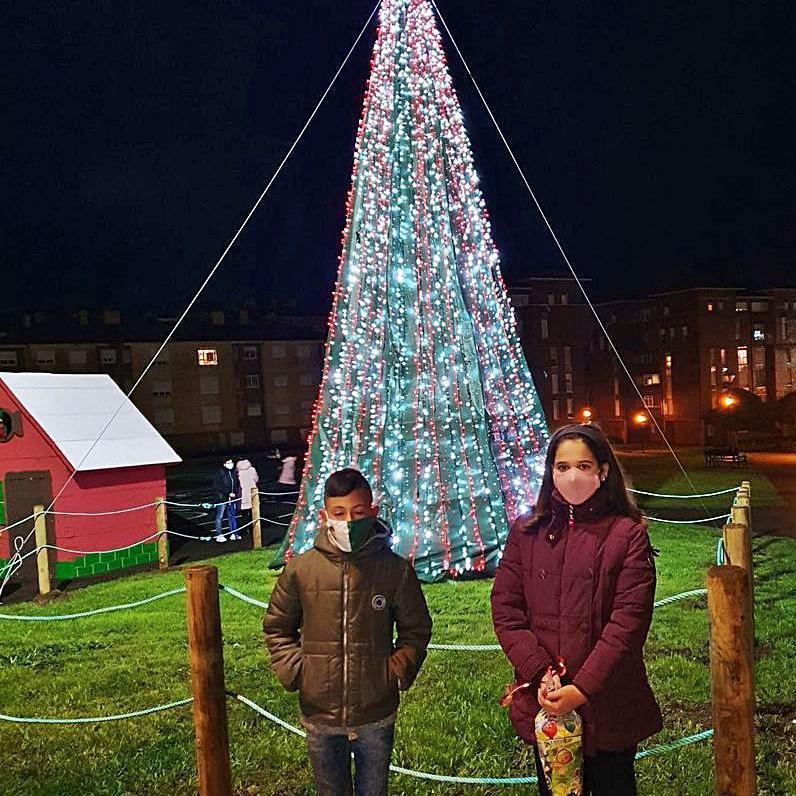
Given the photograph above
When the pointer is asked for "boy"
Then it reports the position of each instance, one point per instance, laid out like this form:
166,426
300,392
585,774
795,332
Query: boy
329,629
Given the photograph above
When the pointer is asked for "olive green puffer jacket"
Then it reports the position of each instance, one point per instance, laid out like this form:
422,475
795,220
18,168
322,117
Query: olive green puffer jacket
329,629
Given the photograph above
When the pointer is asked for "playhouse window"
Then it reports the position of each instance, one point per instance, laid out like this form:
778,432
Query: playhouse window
207,356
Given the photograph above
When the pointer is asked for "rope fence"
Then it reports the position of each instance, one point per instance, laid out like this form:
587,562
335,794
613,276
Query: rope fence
274,719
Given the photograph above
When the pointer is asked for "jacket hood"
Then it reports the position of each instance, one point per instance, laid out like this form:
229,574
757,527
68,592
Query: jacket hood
379,539
244,464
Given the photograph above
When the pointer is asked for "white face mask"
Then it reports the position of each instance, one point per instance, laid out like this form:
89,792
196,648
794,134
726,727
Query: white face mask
338,532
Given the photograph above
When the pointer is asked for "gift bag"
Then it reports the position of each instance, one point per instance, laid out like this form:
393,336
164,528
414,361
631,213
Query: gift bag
559,740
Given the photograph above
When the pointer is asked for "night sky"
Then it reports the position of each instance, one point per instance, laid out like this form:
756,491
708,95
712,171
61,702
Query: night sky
659,137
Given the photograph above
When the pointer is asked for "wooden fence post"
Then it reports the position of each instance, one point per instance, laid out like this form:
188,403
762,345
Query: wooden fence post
207,681
163,536
731,682
42,556
739,552
257,531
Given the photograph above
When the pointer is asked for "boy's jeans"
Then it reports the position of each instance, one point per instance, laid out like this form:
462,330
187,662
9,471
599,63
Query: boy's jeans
229,510
330,756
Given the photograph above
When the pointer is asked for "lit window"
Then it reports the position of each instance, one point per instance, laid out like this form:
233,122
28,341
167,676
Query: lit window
250,352
568,382
570,407
710,306
759,335
651,378
207,356
556,413
743,357
649,401
741,306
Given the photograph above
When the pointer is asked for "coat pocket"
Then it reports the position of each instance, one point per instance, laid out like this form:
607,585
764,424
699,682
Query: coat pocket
377,685
314,684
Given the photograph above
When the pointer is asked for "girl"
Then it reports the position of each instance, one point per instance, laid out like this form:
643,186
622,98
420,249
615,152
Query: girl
576,582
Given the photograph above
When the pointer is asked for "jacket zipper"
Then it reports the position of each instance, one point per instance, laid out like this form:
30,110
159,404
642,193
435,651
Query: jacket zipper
345,643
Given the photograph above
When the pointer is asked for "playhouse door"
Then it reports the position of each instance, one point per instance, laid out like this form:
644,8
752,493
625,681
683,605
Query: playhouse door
23,491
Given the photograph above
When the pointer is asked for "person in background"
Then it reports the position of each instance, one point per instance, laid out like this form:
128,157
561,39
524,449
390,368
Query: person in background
225,486
247,479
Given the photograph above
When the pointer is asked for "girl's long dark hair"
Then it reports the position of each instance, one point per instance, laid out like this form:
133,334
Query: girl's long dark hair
619,499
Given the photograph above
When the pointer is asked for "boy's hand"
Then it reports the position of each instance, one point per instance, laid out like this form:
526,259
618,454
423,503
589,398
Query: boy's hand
562,700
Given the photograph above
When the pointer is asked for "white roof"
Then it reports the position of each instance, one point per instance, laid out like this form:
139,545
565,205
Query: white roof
73,410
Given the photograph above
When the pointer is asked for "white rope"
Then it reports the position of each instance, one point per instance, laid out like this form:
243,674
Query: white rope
688,522
100,513
683,497
93,552
18,522
559,246
21,544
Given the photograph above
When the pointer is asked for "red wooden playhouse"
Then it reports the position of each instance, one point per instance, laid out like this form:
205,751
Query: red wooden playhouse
48,423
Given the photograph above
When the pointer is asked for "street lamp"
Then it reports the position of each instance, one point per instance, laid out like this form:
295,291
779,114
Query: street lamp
641,419
586,415
728,402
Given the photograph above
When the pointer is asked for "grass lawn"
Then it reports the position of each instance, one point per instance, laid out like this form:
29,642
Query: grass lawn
659,472
450,722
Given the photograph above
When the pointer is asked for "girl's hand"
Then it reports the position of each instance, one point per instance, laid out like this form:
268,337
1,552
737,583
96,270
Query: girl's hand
562,700
550,682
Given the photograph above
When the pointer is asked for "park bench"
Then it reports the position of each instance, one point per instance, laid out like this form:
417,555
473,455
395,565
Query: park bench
715,457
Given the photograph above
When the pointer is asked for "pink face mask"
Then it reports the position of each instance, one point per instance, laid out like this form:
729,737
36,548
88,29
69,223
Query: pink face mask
575,486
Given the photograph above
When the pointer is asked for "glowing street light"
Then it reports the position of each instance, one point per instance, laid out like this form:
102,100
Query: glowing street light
586,415
728,401
640,419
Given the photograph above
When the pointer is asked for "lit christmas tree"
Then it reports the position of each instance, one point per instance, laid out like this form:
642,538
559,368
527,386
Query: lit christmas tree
425,386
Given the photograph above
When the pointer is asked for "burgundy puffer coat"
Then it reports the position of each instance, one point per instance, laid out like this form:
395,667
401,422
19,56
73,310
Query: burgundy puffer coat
585,593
